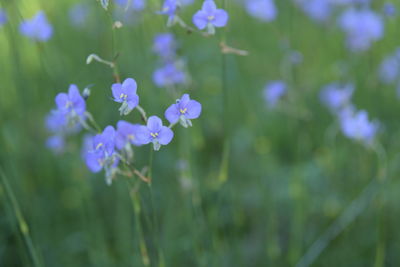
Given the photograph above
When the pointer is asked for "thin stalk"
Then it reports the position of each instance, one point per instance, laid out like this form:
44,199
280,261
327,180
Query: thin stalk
23,226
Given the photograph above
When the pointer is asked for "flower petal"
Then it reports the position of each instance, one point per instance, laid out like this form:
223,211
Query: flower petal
154,124
165,135
193,109
209,7
200,19
93,161
61,101
143,135
221,18
129,87
172,113
133,101
116,89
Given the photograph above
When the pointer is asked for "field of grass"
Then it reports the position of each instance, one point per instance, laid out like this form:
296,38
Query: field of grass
247,185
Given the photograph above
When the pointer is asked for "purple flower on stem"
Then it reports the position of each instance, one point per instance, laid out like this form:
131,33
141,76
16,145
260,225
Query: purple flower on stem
264,10
3,17
169,75
155,133
274,91
126,135
336,96
355,125
183,111
125,93
170,8
37,28
210,17
103,154
72,103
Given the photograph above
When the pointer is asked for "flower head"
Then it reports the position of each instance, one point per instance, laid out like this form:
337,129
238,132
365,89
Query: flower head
154,132
102,155
336,96
183,111
170,8
164,45
126,134
169,75
389,69
125,93
362,27
355,125
264,10
37,28
389,9
274,91
318,10
71,104
210,16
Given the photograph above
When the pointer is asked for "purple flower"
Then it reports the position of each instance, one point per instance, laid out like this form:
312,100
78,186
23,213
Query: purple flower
264,10
126,134
389,9
389,69
136,5
71,104
336,96
164,45
3,17
155,133
56,143
125,93
355,125
274,91
362,27
102,154
210,16
78,14
169,75
318,10
170,8
183,111
37,28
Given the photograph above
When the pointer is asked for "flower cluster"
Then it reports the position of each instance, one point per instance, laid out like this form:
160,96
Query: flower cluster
106,150
353,123
208,17
171,73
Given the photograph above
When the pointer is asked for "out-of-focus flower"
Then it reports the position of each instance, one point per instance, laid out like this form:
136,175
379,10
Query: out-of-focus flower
273,92
56,143
136,5
318,10
169,75
126,134
362,27
56,121
71,104
356,125
155,133
102,155
164,45
389,9
78,14
37,28
210,17
3,17
336,96
125,93
170,8
265,10
184,110
389,69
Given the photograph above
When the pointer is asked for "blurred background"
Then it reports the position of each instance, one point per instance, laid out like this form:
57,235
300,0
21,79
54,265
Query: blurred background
263,178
